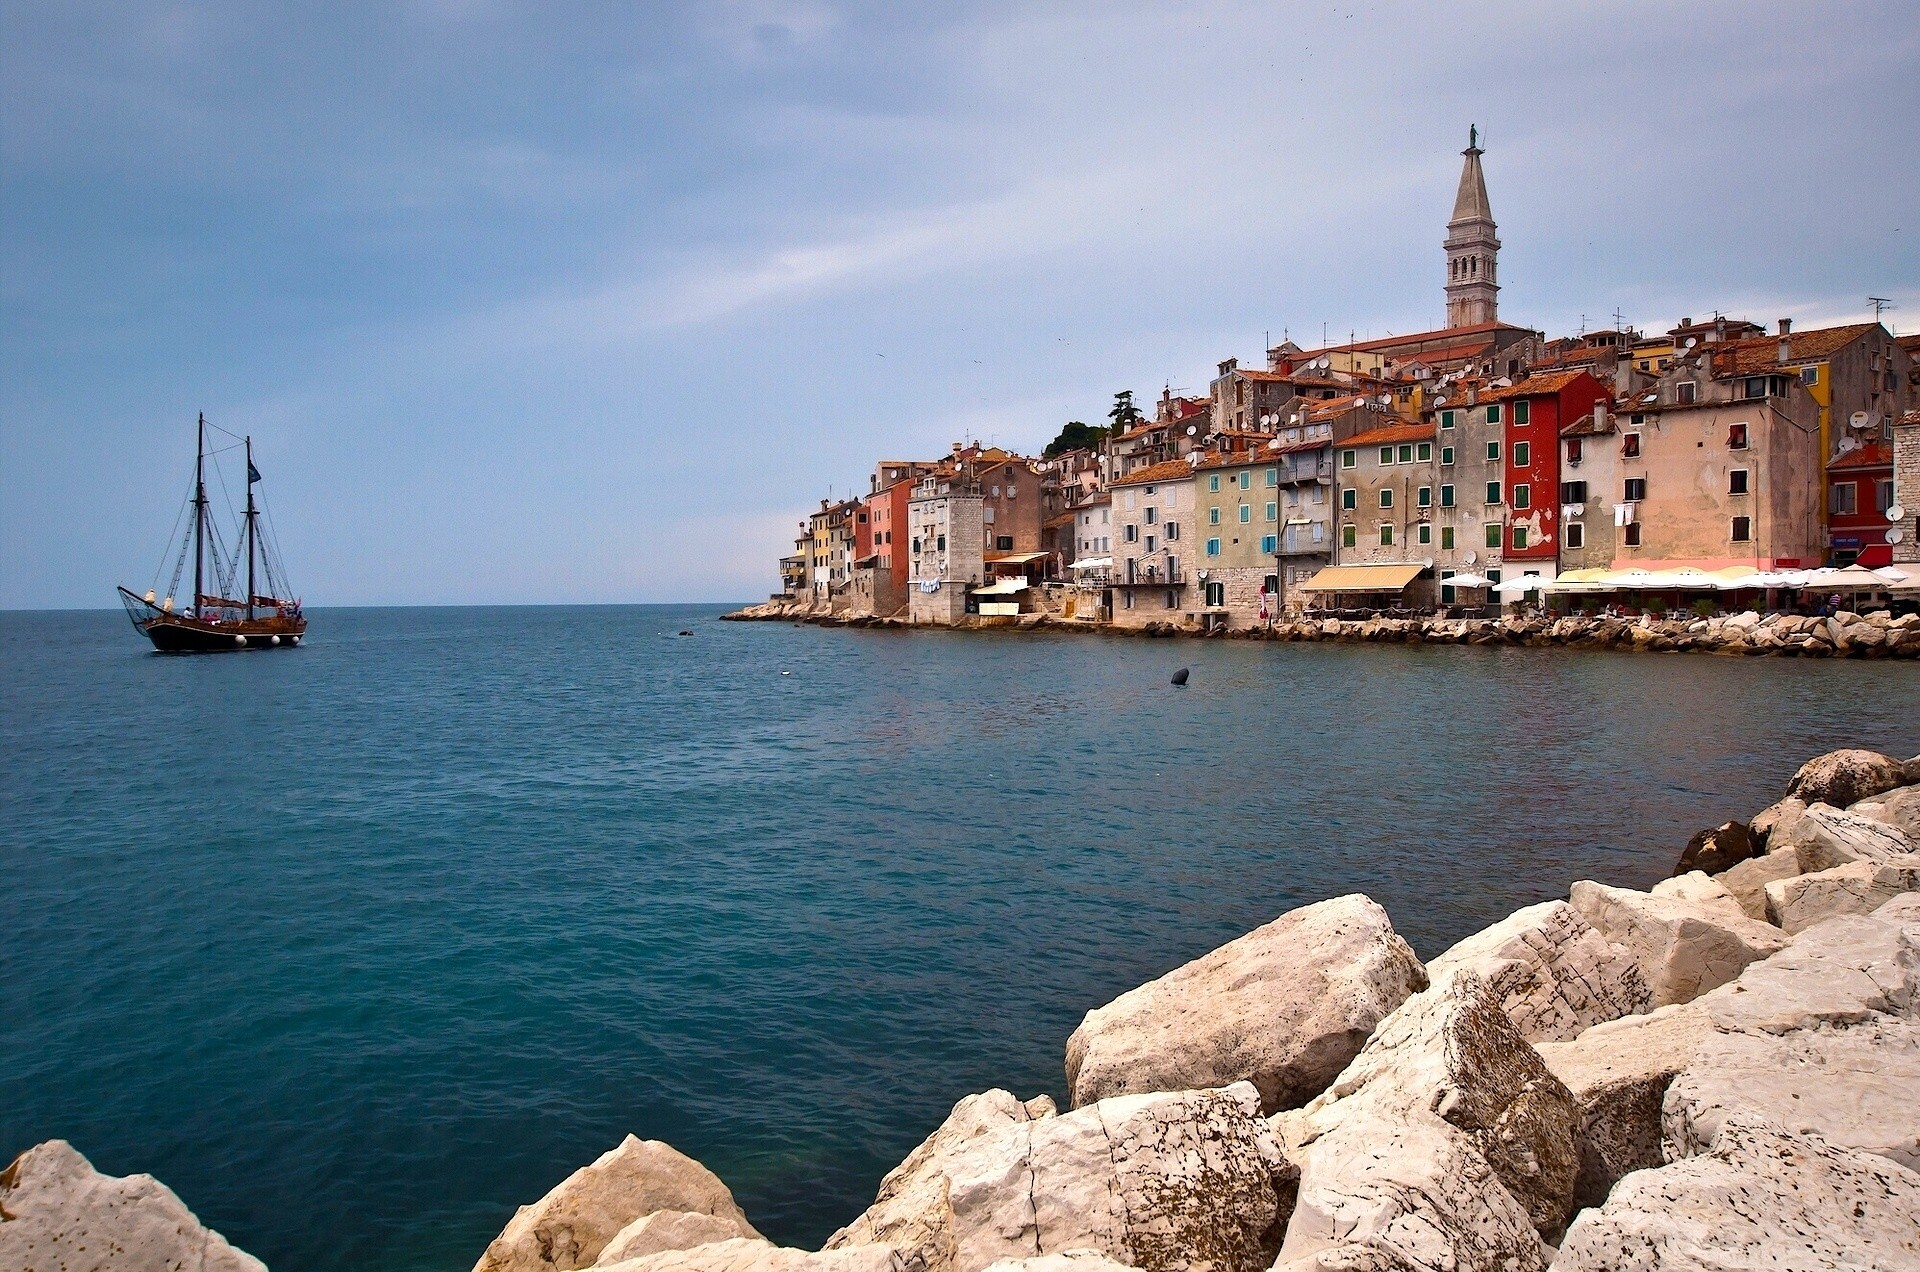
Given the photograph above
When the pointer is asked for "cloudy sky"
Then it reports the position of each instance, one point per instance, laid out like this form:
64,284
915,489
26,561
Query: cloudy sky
590,302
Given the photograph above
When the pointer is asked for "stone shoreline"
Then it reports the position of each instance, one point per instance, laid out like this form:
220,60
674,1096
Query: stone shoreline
1723,1071
1750,634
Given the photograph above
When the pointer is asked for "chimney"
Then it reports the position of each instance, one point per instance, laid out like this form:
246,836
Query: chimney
1599,417
1231,364
1786,341
1786,326
1720,328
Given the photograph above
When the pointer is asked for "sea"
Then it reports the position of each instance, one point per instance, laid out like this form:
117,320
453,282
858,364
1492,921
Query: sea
361,945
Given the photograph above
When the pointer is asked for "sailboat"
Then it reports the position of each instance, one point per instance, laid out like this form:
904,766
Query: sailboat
215,621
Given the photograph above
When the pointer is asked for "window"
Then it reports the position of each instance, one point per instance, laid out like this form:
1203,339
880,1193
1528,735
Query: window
1346,536
1386,497
1213,484
1493,534
1132,534
1446,496
1522,454
1493,452
1246,513
1269,544
1347,498
1810,375
1883,496
942,542
1573,450
1173,531
1386,536
1493,413
1574,535
1493,492
1273,476
1149,543
1446,456
1521,415
1683,392
1635,490
1841,499
1522,495
1213,516
1406,454
1348,458
1736,437
1519,537
1246,479
1754,386
1425,533
1172,599
1004,543
1386,454
1425,452
1446,537
1273,512
1424,497
1213,547
1446,419
1153,515
1630,445
1631,534
1737,482
1742,529
916,545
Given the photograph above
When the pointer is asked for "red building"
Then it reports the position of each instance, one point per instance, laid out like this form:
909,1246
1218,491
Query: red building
1531,413
1859,492
880,531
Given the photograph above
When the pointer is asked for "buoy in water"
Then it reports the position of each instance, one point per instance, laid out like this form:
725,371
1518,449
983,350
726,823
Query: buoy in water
786,673
686,633
1180,676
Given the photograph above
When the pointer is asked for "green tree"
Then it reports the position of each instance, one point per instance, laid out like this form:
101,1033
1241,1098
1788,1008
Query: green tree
1124,413
1077,435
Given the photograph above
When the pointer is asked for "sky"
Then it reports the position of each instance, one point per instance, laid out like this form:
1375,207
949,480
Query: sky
536,303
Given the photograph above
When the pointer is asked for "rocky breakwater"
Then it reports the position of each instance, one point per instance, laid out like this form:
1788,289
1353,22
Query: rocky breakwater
1720,1072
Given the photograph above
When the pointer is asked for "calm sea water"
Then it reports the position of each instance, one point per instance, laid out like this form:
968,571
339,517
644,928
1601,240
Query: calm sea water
362,945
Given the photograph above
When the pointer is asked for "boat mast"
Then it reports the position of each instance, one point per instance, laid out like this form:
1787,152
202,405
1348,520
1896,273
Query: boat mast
252,513
199,509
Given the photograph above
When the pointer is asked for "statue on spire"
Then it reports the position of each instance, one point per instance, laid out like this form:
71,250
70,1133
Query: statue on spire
1473,136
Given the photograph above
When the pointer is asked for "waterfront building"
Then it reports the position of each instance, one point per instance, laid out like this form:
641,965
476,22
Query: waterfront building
1589,480
1303,451
1527,416
1237,502
880,560
1859,493
1906,488
1386,491
1153,528
1469,487
945,545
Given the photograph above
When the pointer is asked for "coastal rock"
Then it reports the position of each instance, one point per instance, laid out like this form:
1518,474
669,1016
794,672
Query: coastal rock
669,1230
1762,828
572,1224
1697,888
1899,809
1748,881
1683,949
1826,837
1554,974
1164,1182
1758,1197
1065,1261
58,1212
1284,1007
1716,849
752,1254
1859,887
1846,777
1446,1143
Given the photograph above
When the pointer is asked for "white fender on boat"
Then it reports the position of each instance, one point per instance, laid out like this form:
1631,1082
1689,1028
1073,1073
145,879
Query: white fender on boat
149,596
273,640
168,607
240,640
295,639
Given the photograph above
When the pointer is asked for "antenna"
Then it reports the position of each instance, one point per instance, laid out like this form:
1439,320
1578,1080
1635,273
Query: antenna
1880,304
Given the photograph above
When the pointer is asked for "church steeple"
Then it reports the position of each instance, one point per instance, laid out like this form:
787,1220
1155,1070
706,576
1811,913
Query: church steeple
1473,289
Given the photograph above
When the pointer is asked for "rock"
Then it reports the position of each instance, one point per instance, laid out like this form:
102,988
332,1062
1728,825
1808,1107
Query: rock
1618,1074
1859,887
1065,1261
1748,881
1446,1143
1697,888
1825,837
751,1254
1770,819
1554,974
1714,850
572,1224
1759,1197
1164,1182
1284,1007
1683,949
1841,778
669,1230
58,1212
1899,809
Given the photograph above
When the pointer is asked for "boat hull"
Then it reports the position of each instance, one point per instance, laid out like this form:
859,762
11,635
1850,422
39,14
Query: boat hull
182,636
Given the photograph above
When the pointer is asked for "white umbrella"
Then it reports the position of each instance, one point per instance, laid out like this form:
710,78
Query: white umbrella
1525,583
1466,580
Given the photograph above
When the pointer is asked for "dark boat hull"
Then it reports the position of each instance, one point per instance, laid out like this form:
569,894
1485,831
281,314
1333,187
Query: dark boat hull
176,636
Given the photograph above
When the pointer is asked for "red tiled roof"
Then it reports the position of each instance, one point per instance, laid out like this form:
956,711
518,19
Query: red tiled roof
1871,455
1536,386
1388,342
1401,432
1762,353
1289,448
1059,519
1167,470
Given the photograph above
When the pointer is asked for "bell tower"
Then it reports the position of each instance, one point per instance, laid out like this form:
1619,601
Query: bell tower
1473,288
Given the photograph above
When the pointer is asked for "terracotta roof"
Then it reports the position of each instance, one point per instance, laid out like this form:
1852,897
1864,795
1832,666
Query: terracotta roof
1059,519
1584,426
1536,386
1910,343
1762,353
1268,377
1401,432
1911,417
1290,448
1871,455
1237,459
1169,470
1388,342
1331,407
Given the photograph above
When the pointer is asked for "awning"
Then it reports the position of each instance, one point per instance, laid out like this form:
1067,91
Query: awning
1016,558
1001,587
1362,578
1094,563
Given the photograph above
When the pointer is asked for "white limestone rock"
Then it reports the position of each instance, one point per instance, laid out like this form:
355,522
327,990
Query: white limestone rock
1759,1197
1859,887
1165,1182
58,1213
1683,949
1446,1143
1065,1261
1846,777
1554,974
668,1230
1826,837
1774,819
1899,809
752,1254
570,1226
1748,881
1703,890
1284,1007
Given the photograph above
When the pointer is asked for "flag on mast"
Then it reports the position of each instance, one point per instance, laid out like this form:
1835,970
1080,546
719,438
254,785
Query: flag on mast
253,474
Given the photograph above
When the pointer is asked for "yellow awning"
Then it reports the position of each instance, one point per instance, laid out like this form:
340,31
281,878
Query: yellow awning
1362,578
1014,558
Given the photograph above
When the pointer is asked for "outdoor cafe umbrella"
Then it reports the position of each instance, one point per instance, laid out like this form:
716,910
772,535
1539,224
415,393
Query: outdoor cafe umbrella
1525,583
1466,580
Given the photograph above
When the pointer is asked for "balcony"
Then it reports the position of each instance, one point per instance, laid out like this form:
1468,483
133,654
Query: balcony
1151,574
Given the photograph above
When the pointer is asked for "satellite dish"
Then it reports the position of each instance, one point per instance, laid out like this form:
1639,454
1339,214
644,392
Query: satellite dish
1192,429
1691,341
1440,399
1427,562
1858,419
1896,534
1386,399
1471,557
1324,363
1896,513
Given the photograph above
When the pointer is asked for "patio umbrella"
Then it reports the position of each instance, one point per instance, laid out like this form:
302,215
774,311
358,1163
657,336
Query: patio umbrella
1466,580
1525,583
